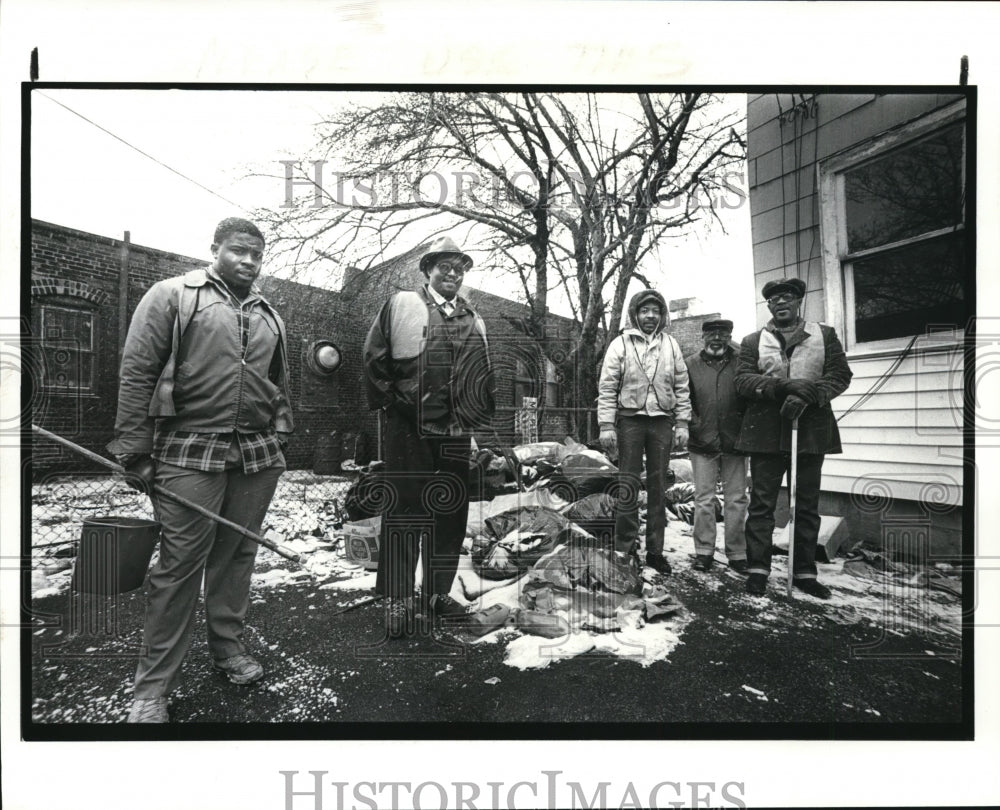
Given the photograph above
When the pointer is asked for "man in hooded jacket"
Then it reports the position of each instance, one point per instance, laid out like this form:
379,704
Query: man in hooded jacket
643,408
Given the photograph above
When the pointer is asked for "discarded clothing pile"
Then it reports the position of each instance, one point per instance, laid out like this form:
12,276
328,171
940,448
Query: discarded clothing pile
680,503
867,564
569,468
572,577
516,539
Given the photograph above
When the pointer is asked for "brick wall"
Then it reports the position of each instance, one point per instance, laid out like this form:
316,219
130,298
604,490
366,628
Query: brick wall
83,270
687,331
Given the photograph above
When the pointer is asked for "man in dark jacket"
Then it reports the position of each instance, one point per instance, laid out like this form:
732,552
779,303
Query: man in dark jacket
789,369
717,412
427,365
203,411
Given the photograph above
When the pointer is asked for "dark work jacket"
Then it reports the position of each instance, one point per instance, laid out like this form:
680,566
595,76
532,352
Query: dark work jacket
763,429
432,368
717,409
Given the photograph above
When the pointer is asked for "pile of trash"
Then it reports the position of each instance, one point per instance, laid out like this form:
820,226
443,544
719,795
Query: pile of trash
540,547
553,541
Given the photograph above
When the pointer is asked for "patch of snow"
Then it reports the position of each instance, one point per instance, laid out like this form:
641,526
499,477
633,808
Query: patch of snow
365,582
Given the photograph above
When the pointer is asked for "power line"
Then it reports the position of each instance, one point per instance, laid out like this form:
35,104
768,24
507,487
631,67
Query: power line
144,154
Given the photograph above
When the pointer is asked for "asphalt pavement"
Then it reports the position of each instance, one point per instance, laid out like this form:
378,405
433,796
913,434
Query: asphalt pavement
744,663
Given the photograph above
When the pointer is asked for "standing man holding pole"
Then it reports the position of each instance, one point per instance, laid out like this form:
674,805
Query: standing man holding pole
203,411
789,370
427,365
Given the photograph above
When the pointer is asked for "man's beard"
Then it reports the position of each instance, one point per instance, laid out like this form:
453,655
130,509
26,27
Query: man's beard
715,352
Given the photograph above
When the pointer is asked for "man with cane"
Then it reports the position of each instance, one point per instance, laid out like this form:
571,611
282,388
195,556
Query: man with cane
203,412
788,371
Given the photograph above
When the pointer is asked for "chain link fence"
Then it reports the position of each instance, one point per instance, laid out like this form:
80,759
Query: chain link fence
60,503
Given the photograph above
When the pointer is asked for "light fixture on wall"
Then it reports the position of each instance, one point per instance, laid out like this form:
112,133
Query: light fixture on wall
323,357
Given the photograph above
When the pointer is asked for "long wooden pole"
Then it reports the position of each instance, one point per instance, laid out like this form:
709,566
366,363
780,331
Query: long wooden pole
288,554
793,474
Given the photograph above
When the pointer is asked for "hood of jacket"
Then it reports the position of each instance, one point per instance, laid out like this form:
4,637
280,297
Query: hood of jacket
640,298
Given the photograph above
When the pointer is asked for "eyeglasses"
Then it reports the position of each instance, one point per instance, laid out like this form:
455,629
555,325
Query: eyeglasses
451,267
782,298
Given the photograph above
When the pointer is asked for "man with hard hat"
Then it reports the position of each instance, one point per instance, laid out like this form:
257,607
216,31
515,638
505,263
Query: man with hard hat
427,366
790,369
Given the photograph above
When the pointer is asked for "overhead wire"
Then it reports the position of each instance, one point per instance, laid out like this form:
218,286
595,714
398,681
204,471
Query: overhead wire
143,153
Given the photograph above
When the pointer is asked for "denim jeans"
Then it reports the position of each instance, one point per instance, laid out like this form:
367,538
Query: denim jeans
766,472
653,437
707,470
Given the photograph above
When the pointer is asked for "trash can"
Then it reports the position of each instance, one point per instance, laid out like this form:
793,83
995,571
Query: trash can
114,554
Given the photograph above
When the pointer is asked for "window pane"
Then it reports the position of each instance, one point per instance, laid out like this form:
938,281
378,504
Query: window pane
900,292
70,325
913,190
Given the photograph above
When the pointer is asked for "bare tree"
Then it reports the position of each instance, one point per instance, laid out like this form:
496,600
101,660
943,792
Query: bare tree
563,191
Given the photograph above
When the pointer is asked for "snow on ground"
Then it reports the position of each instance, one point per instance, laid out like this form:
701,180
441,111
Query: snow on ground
300,512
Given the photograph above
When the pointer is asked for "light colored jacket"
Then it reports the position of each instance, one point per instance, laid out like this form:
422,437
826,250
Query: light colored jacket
624,382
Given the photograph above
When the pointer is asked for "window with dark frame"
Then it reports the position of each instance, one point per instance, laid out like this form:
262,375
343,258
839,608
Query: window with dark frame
526,382
68,347
904,217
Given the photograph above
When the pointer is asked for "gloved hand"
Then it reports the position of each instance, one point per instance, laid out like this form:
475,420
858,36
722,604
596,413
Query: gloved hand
805,390
139,474
793,407
680,438
609,440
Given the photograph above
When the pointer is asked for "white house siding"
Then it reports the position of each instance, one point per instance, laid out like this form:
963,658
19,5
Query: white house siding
908,435
906,440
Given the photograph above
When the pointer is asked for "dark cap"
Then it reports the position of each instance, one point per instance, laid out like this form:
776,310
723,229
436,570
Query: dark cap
792,285
716,325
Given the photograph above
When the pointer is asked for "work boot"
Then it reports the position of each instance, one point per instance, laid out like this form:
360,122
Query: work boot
813,587
149,710
739,566
240,669
396,618
444,607
659,563
703,562
757,584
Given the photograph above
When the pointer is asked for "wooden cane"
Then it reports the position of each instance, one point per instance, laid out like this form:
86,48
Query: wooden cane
791,503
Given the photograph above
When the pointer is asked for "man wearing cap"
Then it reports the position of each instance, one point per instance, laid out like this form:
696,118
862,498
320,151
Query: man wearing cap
203,411
427,366
716,415
789,369
643,408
